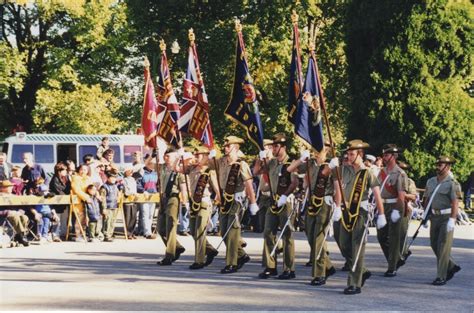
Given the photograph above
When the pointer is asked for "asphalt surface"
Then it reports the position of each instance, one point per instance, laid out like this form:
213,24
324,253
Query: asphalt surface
124,276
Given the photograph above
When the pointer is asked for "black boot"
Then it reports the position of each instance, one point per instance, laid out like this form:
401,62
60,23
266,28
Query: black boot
267,273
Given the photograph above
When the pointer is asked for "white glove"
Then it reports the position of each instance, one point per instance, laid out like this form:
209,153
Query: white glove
336,216
181,152
262,154
212,154
304,156
427,224
395,216
450,225
282,201
334,163
186,205
253,208
381,221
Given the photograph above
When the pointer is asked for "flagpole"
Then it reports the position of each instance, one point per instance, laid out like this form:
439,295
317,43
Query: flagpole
326,120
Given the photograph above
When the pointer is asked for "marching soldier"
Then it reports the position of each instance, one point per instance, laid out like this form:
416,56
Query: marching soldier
202,181
356,181
318,211
172,183
393,185
264,198
235,177
282,184
444,192
410,198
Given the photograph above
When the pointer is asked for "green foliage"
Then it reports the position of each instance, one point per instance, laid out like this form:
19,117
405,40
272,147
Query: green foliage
68,56
410,65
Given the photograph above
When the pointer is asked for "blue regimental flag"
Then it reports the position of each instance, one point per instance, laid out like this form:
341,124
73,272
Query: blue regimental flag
243,105
308,123
296,77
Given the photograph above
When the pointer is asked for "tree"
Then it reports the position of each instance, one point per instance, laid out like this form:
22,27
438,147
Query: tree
410,66
72,53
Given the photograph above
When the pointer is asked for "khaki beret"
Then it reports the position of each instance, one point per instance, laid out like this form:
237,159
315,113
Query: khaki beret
357,144
233,140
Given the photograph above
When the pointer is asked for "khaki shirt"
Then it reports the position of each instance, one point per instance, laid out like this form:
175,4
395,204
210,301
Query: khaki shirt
223,169
313,175
348,176
274,168
397,181
193,178
449,190
165,174
411,189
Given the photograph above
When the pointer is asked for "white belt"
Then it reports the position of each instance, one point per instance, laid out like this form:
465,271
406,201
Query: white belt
239,196
365,205
206,199
328,199
442,211
390,201
266,193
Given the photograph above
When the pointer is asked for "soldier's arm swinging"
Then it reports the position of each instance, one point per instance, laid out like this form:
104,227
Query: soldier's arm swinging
378,200
337,194
249,190
454,208
293,185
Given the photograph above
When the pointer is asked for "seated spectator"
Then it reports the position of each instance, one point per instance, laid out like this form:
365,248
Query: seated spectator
94,210
17,219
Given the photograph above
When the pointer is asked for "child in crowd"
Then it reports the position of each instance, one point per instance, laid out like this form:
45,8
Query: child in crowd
130,209
17,181
93,211
44,215
109,193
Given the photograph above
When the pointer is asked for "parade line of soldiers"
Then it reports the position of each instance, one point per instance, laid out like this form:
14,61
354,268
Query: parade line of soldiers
349,195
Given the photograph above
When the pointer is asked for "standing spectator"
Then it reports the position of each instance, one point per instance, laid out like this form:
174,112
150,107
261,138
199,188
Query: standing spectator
44,214
109,193
71,168
31,172
4,167
130,209
61,185
108,160
94,169
147,184
17,181
79,183
102,148
94,209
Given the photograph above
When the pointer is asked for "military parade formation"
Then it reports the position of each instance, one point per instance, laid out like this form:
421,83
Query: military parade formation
342,197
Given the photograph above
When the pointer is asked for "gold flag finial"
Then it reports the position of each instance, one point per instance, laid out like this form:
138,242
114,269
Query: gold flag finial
146,63
238,26
311,46
162,45
191,36
294,17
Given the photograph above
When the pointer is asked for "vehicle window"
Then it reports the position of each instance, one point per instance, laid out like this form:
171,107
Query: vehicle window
83,150
128,153
18,150
116,154
44,153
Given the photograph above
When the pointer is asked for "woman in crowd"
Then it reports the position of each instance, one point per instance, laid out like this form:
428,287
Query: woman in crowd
60,184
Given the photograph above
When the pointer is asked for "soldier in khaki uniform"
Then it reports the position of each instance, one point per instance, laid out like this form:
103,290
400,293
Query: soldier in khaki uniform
235,179
393,182
172,183
264,198
202,182
410,198
444,210
282,184
356,181
318,211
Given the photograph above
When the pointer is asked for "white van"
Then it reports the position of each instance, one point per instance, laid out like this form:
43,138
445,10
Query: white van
49,149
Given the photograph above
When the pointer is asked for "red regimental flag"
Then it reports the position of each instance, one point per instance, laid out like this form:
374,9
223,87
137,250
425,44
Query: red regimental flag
150,118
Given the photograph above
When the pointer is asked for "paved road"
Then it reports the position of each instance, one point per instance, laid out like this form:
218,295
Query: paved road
123,276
